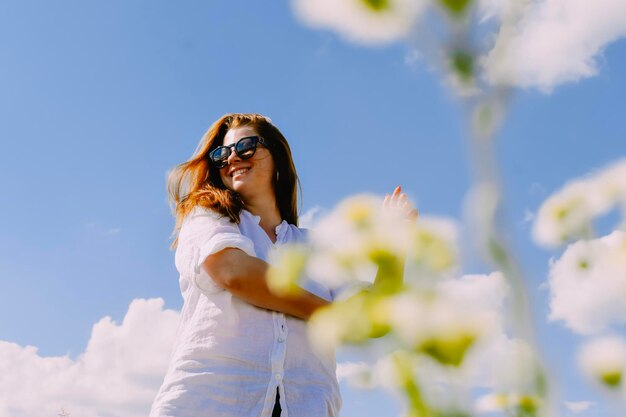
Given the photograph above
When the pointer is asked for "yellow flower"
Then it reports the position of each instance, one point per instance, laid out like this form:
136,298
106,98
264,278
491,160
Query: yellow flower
287,264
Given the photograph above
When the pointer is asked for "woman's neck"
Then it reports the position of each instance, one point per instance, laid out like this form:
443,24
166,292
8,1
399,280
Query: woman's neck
269,213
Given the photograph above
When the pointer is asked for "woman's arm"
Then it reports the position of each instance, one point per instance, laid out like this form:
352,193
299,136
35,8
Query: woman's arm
244,276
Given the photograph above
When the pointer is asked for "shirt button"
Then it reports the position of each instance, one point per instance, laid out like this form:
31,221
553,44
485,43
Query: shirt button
278,377
281,339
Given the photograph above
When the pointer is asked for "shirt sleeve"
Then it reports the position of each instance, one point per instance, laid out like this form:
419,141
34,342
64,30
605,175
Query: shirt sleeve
203,233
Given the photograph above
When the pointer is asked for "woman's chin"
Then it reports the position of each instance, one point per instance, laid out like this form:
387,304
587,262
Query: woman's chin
248,189
242,188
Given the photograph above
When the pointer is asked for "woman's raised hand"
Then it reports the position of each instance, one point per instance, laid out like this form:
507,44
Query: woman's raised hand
400,201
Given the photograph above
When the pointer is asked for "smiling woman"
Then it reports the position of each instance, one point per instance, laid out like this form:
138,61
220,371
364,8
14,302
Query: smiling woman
201,182
241,350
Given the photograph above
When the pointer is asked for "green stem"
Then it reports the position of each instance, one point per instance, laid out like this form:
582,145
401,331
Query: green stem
417,406
390,275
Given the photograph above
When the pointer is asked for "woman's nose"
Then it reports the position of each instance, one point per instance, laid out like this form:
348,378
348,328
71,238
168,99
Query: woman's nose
233,157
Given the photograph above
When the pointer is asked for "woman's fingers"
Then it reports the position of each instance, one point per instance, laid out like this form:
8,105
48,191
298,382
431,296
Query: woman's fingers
392,200
400,200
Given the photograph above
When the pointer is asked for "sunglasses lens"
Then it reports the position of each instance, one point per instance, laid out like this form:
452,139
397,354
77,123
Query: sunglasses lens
220,156
246,147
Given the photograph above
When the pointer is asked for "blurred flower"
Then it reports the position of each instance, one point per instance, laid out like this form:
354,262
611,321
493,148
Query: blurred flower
434,249
612,183
428,388
515,368
356,239
445,323
532,35
509,403
491,403
352,321
604,361
568,213
363,21
287,263
588,283
518,383
433,326
456,8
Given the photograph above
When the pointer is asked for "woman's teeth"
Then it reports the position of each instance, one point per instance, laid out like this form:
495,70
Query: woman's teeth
240,171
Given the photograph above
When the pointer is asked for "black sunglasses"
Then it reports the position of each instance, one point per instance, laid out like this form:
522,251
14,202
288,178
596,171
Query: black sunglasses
244,148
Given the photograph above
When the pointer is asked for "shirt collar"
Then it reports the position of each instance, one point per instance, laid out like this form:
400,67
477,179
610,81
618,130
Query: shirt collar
279,230
257,219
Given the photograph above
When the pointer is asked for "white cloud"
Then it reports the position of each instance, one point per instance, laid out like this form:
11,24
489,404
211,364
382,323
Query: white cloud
99,229
578,406
553,41
357,374
485,293
117,375
588,283
412,56
307,220
356,22
529,216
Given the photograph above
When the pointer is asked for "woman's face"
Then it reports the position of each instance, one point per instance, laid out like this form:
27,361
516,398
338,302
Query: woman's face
248,177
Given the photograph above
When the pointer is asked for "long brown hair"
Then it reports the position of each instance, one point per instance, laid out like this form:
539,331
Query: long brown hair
197,182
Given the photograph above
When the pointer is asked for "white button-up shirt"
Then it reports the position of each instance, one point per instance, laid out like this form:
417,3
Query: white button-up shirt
230,357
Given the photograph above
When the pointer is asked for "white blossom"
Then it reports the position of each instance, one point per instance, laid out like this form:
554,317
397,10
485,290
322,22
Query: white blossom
604,361
447,322
569,212
513,370
434,248
352,241
552,41
362,21
588,282
491,403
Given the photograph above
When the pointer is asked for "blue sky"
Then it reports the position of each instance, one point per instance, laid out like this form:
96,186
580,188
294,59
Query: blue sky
99,99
